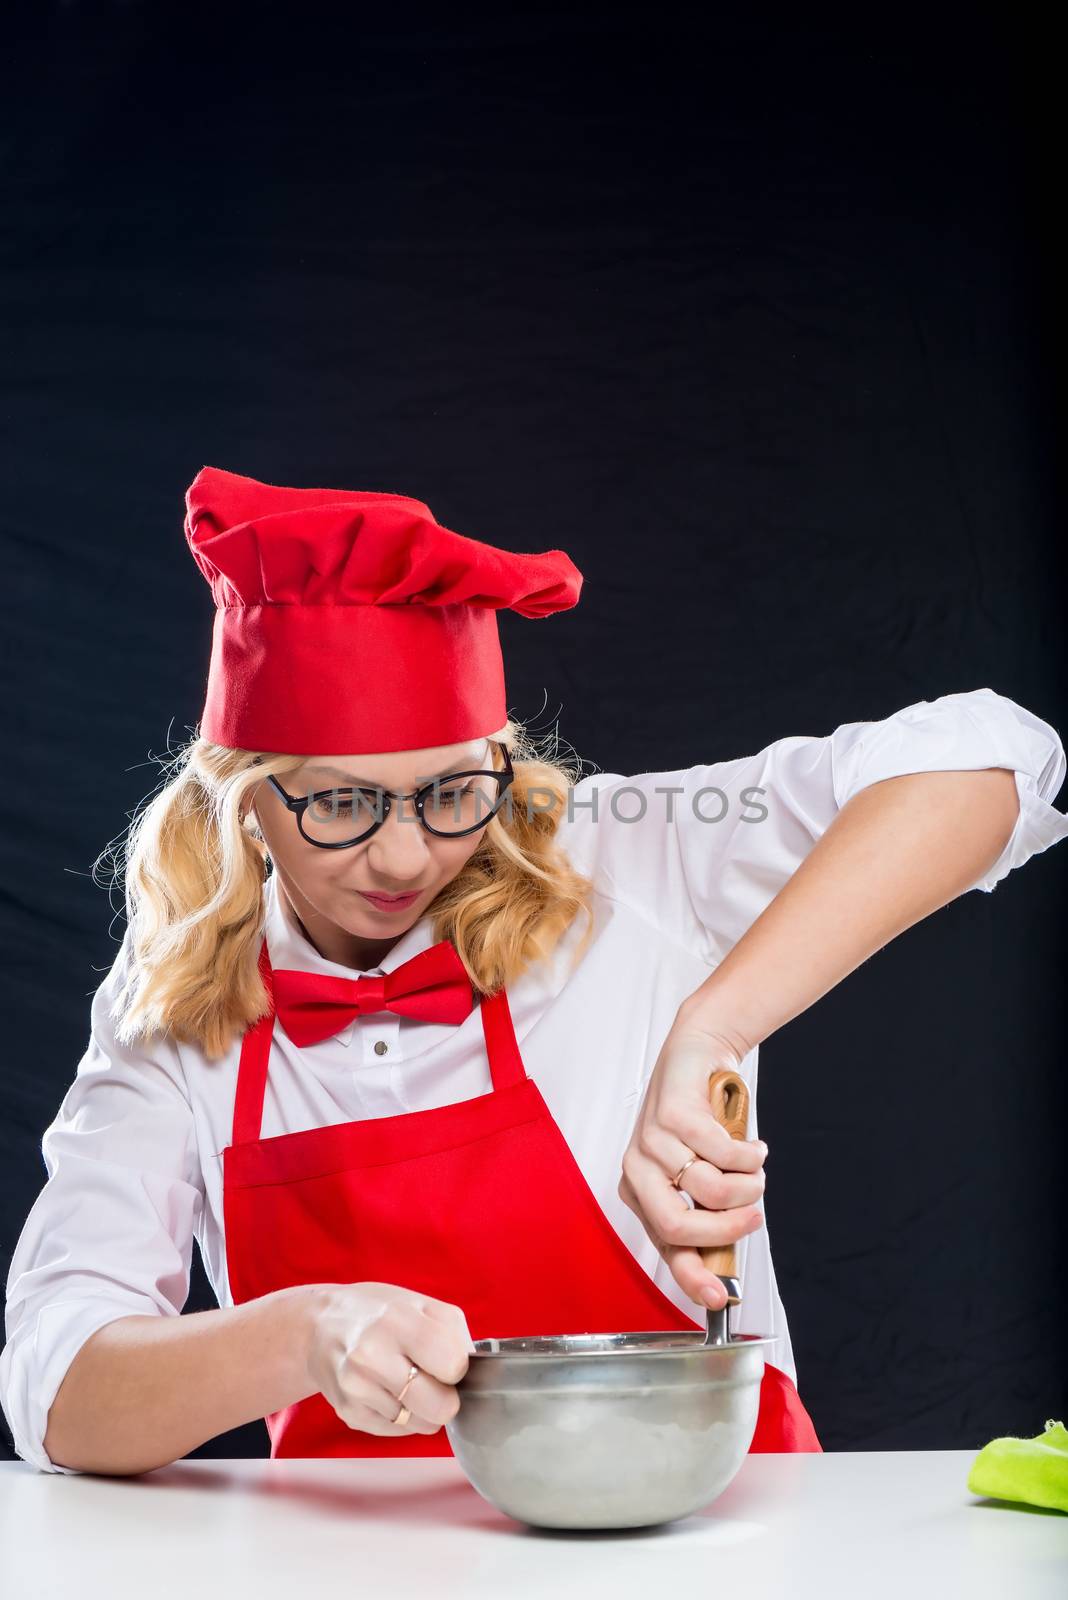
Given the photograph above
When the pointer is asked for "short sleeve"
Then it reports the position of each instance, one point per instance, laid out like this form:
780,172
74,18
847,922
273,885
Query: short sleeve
702,850
111,1232
968,731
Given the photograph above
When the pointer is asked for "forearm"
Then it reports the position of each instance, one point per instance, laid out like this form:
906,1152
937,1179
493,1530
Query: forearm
896,852
144,1390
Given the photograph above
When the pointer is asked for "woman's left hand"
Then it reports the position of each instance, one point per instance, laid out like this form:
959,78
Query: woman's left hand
675,1122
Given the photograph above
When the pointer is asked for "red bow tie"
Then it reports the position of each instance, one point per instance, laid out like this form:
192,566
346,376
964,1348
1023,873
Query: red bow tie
433,987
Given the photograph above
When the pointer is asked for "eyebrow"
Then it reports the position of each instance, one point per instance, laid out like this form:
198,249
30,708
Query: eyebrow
463,765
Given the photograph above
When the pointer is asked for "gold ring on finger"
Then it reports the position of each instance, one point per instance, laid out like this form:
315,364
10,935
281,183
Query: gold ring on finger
403,1416
413,1373
682,1169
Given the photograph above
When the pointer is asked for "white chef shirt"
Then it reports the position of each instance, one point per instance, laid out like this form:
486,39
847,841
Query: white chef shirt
133,1155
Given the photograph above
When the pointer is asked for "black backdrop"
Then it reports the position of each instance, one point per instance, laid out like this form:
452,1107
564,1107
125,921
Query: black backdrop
756,319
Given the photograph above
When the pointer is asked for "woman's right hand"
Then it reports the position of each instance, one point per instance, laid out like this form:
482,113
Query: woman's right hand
365,1338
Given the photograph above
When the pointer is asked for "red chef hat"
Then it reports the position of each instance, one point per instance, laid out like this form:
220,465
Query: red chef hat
350,622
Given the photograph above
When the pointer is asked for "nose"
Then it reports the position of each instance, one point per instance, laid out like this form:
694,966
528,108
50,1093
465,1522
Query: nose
399,848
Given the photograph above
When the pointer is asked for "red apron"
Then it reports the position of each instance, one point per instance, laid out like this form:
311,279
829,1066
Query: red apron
479,1203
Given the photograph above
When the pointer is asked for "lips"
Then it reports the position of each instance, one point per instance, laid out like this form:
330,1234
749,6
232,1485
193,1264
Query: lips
386,902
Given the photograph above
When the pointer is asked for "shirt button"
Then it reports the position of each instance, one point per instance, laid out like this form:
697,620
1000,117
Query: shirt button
381,1047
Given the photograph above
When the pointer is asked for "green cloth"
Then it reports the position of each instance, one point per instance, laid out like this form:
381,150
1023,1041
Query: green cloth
1034,1470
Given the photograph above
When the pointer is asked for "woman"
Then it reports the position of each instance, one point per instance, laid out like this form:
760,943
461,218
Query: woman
479,1109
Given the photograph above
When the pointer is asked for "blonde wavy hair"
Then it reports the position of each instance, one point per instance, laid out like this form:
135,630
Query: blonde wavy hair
194,863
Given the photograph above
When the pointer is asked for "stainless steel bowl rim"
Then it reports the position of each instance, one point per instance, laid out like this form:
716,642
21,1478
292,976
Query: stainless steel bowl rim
575,1347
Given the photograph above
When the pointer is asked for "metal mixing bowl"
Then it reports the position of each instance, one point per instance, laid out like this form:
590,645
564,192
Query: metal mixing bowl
612,1430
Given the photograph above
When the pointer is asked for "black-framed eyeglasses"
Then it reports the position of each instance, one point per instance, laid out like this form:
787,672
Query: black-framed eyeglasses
448,807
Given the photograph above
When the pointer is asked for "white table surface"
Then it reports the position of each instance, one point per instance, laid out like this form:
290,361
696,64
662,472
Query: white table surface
864,1525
